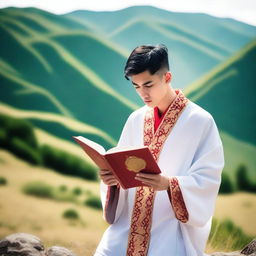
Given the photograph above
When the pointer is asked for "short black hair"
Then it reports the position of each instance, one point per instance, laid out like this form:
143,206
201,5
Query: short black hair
147,57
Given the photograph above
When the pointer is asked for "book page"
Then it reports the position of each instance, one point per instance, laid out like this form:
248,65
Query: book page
92,144
122,149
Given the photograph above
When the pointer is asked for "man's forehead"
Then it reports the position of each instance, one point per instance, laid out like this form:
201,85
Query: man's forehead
143,78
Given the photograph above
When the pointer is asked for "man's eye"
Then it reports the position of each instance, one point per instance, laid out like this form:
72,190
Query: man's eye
149,85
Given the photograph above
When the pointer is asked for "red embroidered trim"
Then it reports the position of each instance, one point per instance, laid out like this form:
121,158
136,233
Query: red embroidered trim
168,122
139,237
177,200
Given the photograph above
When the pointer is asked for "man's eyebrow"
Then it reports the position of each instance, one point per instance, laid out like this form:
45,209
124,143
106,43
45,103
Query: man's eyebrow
148,82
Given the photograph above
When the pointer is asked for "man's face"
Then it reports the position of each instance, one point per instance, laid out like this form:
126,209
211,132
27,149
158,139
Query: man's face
151,88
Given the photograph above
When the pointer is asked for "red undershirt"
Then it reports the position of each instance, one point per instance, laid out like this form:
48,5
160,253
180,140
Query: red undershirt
158,117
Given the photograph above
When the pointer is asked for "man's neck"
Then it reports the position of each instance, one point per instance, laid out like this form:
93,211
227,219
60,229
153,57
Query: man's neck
168,99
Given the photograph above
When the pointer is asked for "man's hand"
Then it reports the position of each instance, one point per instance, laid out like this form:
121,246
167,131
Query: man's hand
156,181
108,178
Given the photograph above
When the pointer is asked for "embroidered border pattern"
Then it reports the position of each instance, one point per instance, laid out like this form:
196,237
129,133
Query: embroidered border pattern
177,200
139,236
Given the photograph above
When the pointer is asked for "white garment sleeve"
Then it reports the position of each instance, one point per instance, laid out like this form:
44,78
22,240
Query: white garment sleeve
113,198
199,189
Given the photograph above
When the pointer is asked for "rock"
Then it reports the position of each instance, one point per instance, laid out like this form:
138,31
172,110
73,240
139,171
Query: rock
250,248
58,251
21,244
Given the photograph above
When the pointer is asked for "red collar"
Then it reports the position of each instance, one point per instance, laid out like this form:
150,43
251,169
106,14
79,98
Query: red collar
158,117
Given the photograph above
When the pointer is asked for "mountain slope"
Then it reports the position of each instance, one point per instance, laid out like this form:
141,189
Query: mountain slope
228,92
44,72
197,42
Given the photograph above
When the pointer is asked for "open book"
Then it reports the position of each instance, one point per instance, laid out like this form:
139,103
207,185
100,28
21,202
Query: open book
124,163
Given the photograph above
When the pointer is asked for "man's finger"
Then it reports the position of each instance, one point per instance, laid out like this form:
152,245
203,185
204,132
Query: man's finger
146,178
113,183
109,179
147,175
103,171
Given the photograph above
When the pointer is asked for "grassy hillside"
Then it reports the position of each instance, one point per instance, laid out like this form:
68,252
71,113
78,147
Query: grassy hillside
82,236
58,125
228,93
201,24
197,42
43,217
44,72
238,153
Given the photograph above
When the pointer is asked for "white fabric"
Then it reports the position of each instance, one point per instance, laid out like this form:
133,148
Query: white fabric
193,153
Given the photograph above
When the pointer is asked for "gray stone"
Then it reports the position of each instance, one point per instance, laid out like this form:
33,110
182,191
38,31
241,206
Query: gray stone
250,248
21,244
58,251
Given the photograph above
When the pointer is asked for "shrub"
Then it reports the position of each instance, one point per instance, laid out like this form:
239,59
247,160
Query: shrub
226,185
40,189
93,201
66,163
3,138
3,181
71,214
18,128
63,188
77,191
24,151
18,136
252,187
244,182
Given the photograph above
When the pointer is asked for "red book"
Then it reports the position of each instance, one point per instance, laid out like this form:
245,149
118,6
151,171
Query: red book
124,163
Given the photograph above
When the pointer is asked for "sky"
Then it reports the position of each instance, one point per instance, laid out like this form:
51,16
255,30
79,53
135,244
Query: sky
242,10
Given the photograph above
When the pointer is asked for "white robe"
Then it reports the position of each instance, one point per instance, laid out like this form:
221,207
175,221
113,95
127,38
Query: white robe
193,153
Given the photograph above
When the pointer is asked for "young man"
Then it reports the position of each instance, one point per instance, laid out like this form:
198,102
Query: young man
171,214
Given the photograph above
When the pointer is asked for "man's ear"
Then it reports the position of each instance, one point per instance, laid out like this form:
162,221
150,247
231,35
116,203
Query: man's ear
168,77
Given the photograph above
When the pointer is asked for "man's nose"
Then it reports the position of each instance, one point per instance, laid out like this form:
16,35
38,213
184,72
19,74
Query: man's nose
143,92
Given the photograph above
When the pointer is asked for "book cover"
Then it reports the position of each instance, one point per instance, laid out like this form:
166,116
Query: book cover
124,163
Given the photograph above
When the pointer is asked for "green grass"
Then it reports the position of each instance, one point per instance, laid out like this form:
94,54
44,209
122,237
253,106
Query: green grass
226,236
43,190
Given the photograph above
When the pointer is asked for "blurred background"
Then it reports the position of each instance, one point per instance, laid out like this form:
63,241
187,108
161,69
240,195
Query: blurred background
61,74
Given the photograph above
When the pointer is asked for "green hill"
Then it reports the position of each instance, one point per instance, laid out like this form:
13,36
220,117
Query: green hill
228,93
238,153
197,42
44,72
64,73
